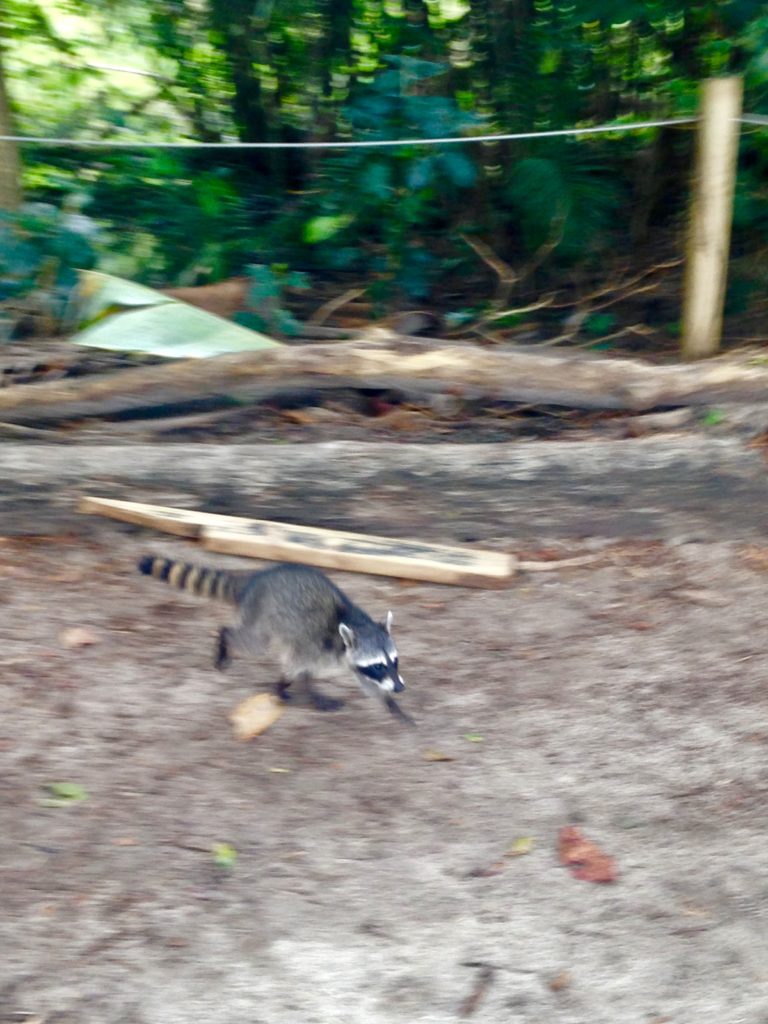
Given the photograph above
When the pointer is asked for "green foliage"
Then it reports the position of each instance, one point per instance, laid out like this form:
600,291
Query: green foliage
713,417
224,856
369,70
265,309
321,229
567,200
41,247
170,218
63,793
598,324
376,210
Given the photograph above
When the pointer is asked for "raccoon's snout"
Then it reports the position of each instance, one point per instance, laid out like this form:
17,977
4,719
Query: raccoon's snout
393,684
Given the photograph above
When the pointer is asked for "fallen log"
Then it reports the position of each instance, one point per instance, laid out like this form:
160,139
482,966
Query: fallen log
566,379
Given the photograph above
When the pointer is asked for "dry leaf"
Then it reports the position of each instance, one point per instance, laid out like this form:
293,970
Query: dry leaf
224,855
435,755
755,556
315,414
584,858
700,595
402,419
14,571
255,715
487,872
542,555
563,980
520,847
78,636
302,417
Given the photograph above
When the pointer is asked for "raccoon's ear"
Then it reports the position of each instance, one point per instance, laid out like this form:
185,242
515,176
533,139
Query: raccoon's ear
346,634
390,618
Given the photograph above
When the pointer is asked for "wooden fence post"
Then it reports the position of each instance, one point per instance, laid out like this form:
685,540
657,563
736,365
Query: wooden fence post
10,164
709,232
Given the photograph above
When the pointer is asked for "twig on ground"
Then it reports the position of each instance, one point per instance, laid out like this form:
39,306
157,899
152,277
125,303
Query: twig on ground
328,308
481,986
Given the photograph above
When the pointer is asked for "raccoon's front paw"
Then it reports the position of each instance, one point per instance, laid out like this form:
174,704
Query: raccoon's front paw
394,709
283,691
324,703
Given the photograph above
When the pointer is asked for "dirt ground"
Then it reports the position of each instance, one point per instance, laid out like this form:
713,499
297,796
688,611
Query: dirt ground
626,696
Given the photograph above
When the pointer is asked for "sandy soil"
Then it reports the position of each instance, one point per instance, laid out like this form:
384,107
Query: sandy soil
371,885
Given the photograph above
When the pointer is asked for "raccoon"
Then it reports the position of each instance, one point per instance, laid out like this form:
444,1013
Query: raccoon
301,616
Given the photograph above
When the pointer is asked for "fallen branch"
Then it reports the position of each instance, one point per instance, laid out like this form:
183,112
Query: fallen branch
625,288
568,379
507,275
16,430
530,308
328,308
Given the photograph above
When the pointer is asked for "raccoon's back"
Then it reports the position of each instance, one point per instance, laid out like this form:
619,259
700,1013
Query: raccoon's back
292,589
290,602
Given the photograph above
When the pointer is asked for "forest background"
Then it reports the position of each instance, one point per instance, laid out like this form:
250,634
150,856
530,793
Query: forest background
457,228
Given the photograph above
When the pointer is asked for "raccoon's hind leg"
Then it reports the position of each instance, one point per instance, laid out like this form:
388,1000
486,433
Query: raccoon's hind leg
244,638
222,655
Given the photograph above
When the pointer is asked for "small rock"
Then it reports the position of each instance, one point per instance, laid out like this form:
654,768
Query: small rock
78,636
708,598
673,419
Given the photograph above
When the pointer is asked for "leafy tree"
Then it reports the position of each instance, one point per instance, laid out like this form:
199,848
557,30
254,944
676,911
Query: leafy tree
373,70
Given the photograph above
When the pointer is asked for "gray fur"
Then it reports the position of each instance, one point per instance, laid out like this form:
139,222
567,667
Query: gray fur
302,618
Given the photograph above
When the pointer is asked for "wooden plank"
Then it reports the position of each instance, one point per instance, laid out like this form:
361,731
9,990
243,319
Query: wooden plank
182,522
711,216
327,549
381,556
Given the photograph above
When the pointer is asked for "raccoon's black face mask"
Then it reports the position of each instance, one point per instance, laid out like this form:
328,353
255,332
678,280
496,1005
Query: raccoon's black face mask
384,674
373,656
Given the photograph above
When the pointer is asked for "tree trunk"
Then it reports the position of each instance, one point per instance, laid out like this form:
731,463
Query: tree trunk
10,163
240,40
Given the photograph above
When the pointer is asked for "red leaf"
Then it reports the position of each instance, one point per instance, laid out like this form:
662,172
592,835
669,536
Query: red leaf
379,407
586,860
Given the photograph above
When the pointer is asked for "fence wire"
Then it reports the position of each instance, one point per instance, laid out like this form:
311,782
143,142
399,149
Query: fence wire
757,120
351,144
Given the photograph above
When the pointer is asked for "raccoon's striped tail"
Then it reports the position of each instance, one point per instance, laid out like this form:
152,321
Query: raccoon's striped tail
195,579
